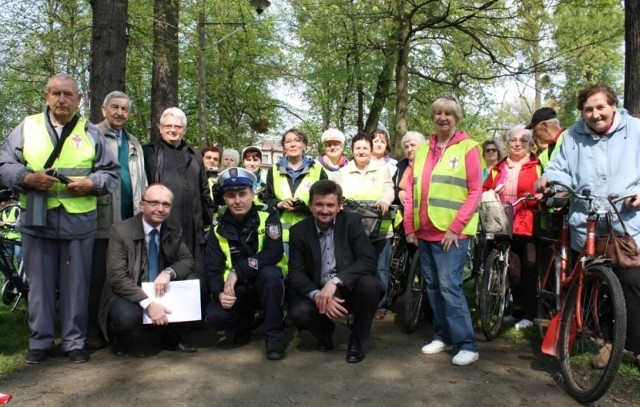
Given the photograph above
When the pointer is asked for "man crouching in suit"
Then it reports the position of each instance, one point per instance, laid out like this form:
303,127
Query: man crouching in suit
332,267
144,248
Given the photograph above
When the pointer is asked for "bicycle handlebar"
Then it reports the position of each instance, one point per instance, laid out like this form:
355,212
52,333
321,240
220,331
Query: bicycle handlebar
587,196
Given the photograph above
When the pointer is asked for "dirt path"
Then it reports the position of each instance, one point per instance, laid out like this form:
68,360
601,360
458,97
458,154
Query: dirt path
394,373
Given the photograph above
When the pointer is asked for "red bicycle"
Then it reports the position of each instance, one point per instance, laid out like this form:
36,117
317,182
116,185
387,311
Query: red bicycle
582,306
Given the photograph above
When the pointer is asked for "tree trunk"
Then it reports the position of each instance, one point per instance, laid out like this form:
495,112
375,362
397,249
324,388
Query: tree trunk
632,57
164,80
108,52
402,76
385,78
203,126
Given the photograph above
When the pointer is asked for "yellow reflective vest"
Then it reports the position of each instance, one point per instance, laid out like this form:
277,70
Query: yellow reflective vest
448,187
75,161
282,190
262,228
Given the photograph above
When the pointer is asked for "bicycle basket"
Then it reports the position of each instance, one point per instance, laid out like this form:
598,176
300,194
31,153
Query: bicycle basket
496,218
370,215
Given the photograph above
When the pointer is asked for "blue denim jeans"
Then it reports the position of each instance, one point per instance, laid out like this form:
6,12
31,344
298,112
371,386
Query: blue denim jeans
383,253
443,275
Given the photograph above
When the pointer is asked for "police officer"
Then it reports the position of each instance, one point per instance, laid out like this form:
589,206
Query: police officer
241,257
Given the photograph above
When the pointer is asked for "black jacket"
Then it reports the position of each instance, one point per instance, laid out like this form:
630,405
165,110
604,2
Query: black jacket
355,255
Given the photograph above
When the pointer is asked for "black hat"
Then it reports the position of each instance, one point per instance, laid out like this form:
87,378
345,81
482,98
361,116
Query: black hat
540,115
235,178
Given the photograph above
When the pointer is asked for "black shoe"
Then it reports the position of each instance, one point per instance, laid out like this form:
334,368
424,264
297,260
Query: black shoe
185,348
174,343
241,338
35,356
120,345
78,356
355,353
326,343
275,350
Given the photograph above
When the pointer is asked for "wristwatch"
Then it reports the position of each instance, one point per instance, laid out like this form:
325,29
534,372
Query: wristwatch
336,281
170,271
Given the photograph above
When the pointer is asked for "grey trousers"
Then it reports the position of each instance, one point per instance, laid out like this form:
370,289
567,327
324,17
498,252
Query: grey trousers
63,268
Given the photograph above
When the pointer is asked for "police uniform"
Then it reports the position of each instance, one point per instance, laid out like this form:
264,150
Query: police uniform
250,248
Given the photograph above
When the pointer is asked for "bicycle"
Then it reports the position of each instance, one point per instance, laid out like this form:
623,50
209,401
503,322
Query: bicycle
494,288
15,286
405,276
591,311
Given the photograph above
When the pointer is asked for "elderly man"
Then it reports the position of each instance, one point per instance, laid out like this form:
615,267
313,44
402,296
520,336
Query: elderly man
547,133
172,162
117,206
241,259
146,247
59,162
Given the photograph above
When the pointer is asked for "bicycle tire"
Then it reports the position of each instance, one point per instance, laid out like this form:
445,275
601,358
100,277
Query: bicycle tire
493,294
601,298
414,295
397,273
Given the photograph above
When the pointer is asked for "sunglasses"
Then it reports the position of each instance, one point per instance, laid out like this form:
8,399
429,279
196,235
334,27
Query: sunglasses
490,150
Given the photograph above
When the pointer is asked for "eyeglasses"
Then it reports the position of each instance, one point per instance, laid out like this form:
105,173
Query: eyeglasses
172,126
516,140
451,98
490,150
292,141
155,204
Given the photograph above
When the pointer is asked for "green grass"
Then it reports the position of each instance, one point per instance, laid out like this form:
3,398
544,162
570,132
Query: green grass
14,337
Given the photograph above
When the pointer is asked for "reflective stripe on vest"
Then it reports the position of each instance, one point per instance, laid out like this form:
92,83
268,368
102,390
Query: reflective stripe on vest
448,188
282,191
368,193
224,246
75,161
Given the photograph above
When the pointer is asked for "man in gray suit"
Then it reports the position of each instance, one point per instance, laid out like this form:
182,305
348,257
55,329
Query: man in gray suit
121,204
146,247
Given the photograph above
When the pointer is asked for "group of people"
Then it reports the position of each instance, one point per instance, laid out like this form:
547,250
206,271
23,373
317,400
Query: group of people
106,214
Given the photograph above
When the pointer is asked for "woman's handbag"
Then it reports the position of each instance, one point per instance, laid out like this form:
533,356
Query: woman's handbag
622,250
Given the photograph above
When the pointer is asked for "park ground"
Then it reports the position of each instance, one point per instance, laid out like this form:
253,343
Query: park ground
510,372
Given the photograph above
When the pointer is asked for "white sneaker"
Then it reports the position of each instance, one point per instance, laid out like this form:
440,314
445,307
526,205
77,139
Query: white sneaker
523,323
435,346
465,357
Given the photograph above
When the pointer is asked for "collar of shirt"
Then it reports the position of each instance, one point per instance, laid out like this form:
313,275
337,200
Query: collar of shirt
329,229
147,228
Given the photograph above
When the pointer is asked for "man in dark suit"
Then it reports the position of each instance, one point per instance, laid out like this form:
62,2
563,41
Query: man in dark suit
332,267
144,248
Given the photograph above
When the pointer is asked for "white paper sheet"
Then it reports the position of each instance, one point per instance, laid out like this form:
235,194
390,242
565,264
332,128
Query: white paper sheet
182,299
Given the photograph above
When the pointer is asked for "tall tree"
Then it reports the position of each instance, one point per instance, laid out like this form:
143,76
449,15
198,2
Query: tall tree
108,51
632,53
164,82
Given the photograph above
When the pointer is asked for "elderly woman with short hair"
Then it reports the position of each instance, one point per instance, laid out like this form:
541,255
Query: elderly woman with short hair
512,178
230,158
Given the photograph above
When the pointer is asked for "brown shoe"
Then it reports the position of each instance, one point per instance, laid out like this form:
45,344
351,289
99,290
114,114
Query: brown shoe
602,358
95,342
379,315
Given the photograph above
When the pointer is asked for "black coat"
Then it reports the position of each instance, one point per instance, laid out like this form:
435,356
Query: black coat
180,169
355,255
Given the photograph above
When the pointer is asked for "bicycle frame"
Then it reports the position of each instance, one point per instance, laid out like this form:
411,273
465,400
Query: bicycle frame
565,281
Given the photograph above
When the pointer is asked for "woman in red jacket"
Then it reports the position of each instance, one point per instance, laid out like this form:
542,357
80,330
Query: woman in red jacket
512,178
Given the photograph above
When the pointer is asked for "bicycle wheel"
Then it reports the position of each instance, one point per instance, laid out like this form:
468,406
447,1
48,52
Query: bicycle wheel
603,313
493,293
414,295
397,273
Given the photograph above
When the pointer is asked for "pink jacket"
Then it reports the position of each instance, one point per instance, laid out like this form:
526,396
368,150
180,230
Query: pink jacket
427,231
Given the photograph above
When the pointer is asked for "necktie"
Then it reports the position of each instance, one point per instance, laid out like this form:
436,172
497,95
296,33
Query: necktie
152,253
119,137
